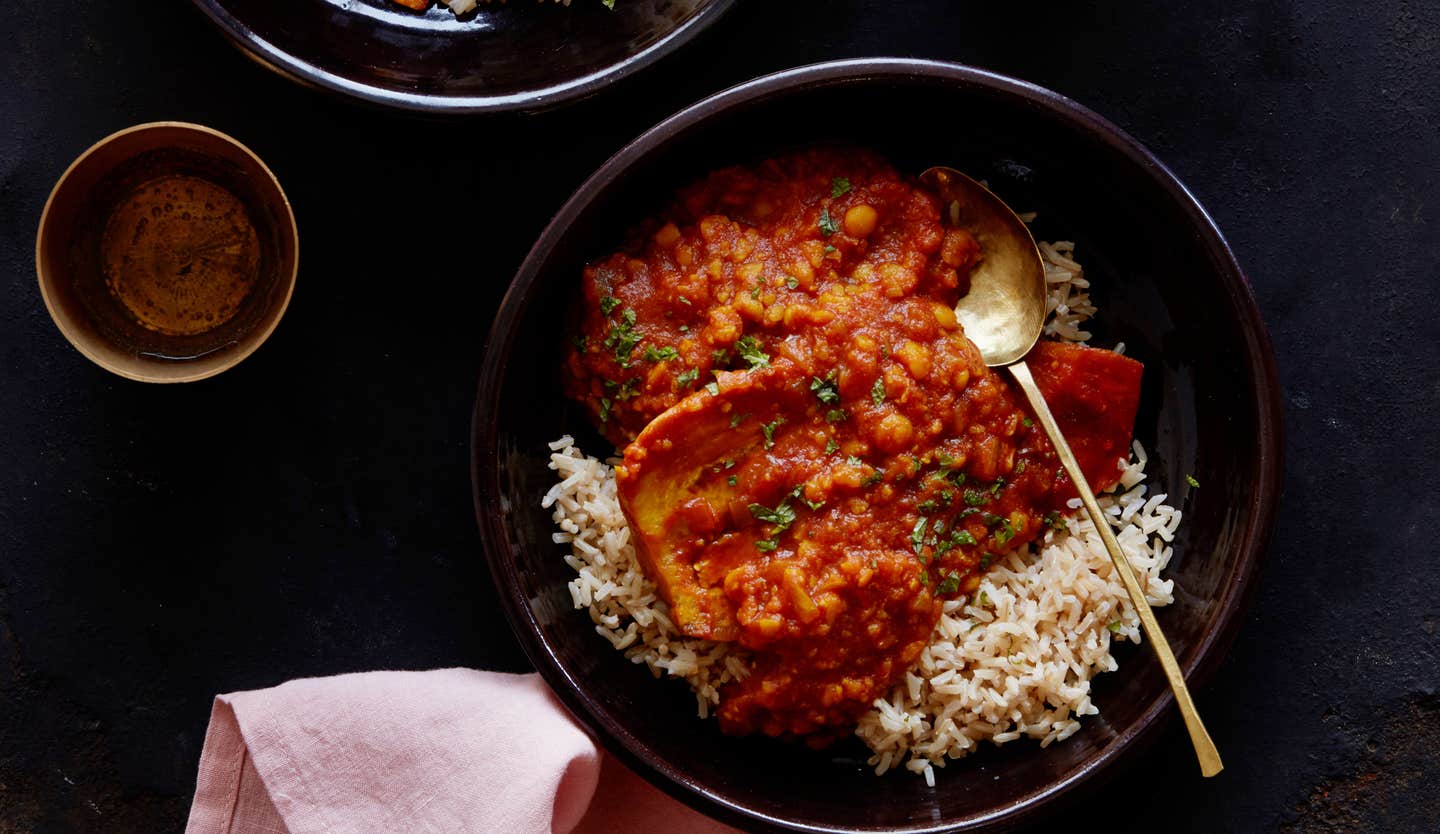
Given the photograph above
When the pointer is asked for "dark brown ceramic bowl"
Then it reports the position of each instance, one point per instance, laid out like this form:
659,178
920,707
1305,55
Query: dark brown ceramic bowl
520,55
1166,284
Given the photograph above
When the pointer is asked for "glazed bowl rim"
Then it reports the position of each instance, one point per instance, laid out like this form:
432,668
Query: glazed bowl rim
308,74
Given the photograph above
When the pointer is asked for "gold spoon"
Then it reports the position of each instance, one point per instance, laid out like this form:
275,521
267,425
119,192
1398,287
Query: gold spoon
1004,315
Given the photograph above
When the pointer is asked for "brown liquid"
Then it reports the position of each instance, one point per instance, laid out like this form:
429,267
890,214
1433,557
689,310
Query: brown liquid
176,257
181,254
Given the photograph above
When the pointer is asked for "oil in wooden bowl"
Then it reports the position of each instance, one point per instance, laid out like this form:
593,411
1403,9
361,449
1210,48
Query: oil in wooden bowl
174,257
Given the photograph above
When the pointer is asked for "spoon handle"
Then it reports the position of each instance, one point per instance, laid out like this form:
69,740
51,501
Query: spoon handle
1204,748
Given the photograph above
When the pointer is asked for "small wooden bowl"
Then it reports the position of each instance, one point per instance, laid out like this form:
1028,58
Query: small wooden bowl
67,234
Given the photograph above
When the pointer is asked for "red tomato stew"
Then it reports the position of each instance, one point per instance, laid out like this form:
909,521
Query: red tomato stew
814,454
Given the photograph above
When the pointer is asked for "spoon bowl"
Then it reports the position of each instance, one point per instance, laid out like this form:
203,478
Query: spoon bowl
1004,312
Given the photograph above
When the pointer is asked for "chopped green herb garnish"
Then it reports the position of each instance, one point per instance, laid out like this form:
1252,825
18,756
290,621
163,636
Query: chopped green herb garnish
875,477
947,496
684,300
604,409
1114,627
917,535
839,187
769,430
924,577
627,390
720,356
581,342
729,464
985,559
826,390
684,328
755,291
997,486
782,516
607,304
854,461
831,447
828,226
792,282
688,378
927,506
732,480
976,498
949,585
1054,521
813,505
713,387
877,391
959,537
737,419
1190,479
664,354
622,338
829,249
1020,467
779,518
749,350
836,415
1027,422
945,460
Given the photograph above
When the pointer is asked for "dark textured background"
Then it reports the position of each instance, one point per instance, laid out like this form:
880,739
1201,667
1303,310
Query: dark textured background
309,513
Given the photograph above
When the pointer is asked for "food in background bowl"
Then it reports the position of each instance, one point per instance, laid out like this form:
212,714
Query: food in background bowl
830,516
463,6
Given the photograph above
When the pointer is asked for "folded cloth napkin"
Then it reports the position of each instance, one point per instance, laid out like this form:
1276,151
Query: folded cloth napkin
453,750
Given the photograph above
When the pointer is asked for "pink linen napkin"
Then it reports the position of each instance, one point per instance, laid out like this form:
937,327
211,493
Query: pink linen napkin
453,750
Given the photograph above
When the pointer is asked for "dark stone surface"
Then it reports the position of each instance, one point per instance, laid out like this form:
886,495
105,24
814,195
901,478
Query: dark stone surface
308,512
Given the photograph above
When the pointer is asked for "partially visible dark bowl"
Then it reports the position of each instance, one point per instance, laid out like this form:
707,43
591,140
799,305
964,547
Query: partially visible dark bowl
1166,284
520,55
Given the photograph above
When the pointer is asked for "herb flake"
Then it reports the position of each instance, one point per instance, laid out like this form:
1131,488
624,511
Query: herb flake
769,431
826,390
828,226
749,349
917,535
